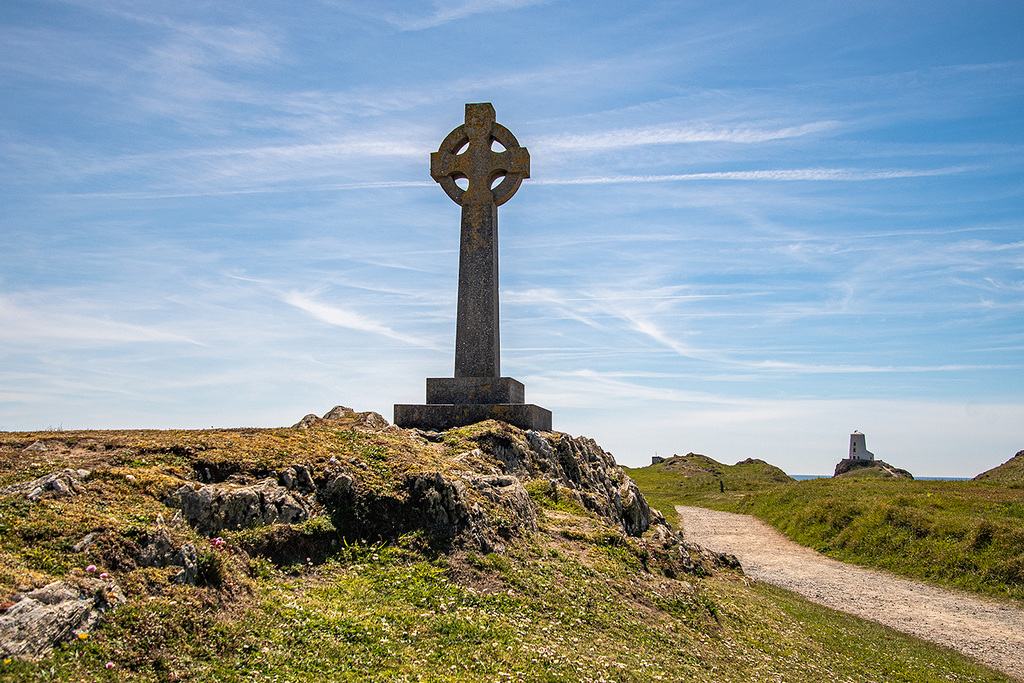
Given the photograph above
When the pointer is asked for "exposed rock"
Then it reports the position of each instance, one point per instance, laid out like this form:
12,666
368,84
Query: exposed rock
215,507
306,422
296,477
189,564
55,613
342,416
481,505
338,412
85,543
885,470
578,464
64,483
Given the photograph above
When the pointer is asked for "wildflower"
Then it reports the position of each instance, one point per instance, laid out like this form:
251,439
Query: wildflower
7,661
104,575
110,665
83,636
91,568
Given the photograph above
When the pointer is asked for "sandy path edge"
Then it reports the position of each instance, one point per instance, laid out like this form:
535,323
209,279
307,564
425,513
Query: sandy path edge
990,631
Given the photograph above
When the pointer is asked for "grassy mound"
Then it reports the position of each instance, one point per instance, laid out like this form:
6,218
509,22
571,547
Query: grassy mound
1010,472
576,600
691,479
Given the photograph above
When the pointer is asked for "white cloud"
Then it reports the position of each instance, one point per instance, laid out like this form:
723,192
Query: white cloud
332,315
446,12
667,135
55,323
825,174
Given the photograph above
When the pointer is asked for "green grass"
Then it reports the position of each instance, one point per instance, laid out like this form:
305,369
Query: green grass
967,535
692,479
536,615
575,602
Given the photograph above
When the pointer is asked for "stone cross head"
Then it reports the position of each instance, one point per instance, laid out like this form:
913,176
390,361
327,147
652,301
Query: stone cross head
468,153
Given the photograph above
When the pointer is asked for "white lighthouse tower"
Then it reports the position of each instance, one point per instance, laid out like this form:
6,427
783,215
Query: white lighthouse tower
858,449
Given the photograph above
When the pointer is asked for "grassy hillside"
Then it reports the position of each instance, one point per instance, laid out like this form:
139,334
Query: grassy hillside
1010,473
576,600
967,535
694,479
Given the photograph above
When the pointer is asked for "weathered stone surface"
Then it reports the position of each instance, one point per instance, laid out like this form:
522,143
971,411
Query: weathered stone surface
215,507
296,477
442,416
341,416
510,498
577,464
42,618
161,551
885,470
338,412
477,392
64,483
477,348
453,390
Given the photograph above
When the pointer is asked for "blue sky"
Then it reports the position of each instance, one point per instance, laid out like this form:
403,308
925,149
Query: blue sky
751,227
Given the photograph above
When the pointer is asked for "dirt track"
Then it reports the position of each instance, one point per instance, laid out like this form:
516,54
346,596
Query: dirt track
987,630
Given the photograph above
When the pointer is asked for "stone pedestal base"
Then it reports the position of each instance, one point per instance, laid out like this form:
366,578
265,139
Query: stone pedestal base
443,416
475,390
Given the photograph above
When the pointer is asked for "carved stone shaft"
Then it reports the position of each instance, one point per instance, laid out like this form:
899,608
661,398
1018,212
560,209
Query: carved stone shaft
468,153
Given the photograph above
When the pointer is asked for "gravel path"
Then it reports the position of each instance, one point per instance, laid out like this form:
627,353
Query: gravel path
987,630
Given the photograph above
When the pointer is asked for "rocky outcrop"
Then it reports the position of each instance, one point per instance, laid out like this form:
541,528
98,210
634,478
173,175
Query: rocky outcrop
876,468
480,501
40,619
64,483
578,464
343,416
161,550
214,507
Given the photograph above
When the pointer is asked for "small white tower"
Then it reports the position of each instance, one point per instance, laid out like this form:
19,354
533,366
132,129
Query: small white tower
858,449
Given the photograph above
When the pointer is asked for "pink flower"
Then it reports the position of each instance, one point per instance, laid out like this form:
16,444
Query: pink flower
104,575
110,665
91,568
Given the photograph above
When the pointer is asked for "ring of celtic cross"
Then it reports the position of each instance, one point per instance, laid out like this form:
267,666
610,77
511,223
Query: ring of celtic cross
479,164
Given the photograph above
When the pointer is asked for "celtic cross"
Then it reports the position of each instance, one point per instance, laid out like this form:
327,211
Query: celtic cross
493,177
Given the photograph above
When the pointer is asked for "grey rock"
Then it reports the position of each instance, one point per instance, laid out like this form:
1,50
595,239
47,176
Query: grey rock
509,496
189,561
344,417
296,477
85,543
64,483
338,412
215,507
306,422
579,465
158,551
53,614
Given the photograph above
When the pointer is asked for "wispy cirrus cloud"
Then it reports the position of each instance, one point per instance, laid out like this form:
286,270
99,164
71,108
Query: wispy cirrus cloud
826,174
447,12
36,325
675,134
333,315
